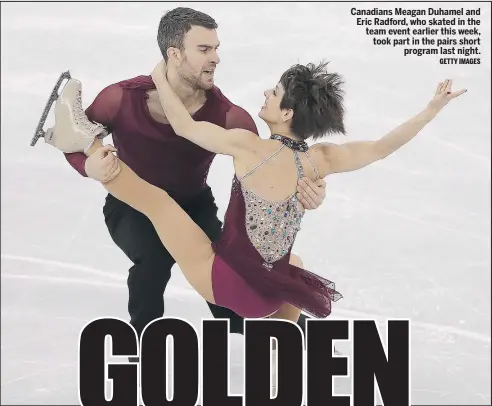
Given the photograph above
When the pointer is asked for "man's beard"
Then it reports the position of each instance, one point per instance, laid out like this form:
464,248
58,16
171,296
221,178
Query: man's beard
196,82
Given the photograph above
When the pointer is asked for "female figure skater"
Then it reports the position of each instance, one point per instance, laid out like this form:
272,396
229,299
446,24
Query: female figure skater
250,269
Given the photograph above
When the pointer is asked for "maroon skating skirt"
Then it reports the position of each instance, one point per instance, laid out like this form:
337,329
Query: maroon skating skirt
242,284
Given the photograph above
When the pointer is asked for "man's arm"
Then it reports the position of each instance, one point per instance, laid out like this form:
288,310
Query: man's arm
356,155
77,161
103,110
237,117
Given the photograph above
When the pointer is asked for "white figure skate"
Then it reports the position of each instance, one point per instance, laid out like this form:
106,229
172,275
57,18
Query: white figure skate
73,131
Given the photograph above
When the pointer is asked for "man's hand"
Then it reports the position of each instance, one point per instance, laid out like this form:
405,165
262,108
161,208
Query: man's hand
159,73
102,165
311,194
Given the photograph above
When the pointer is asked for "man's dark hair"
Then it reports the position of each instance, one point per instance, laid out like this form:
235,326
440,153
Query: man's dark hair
316,97
176,23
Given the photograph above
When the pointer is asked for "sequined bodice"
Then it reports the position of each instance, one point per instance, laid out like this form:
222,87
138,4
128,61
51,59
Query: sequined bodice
257,239
271,226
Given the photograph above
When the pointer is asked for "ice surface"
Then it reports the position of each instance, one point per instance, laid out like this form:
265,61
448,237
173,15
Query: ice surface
408,237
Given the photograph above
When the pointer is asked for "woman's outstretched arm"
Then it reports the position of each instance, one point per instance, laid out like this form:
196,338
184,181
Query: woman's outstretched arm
350,156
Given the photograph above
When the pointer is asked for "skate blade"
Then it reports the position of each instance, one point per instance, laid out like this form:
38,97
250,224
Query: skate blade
53,97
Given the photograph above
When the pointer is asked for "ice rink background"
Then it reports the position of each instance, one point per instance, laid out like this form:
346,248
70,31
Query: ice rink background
408,237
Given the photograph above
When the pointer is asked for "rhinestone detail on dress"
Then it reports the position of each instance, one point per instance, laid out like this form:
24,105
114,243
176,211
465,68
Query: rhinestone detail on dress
271,226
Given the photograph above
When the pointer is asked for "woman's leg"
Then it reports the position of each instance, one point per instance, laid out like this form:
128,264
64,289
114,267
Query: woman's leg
287,311
185,241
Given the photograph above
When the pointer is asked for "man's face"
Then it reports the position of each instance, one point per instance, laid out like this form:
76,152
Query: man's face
200,58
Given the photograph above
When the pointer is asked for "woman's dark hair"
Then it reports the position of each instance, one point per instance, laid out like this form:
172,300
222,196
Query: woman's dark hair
316,97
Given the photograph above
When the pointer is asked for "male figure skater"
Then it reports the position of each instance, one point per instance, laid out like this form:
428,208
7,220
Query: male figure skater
146,142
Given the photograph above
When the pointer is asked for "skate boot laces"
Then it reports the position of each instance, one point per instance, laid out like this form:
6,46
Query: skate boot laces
81,119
